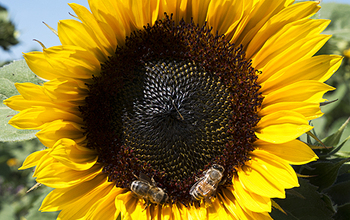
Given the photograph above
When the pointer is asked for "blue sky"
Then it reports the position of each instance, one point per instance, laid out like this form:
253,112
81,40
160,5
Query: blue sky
28,16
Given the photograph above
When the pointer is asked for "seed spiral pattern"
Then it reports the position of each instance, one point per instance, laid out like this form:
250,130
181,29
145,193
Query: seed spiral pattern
171,102
181,111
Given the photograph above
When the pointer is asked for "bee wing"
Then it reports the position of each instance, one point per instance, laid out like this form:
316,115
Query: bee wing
215,186
144,177
194,185
193,188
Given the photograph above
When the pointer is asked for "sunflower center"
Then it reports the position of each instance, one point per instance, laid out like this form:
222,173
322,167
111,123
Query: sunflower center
170,103
175,116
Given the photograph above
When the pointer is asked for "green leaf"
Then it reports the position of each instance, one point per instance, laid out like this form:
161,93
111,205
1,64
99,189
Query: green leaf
343,212
313,205
340,193
19,72
334,138
324,174
315,137
34,214
7,212
339,14
339,147
3,14
9,133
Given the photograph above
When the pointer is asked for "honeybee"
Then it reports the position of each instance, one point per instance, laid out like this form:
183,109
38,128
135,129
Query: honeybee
147,189
206,186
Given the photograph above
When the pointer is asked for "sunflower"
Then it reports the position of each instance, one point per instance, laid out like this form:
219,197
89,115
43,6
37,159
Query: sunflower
160,94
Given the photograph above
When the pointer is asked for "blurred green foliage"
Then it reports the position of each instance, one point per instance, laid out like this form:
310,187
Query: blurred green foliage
338,112
8,33
7,30
324,191
14,202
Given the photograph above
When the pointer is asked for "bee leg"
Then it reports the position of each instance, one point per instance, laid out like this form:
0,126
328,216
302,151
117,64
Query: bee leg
135,175
147,204
205,172
208,202
153,182
184,204
223,181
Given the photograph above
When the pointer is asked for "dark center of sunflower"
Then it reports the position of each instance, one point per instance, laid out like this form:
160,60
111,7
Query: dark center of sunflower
174,100
175,116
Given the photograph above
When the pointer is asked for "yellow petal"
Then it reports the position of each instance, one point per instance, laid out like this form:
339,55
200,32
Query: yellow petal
318,68
54,131
38,64
34,95
166,213
224,16
281,127
294,152
18,103
58,199
53,173
31,91
216,211
67,152
276,167
249,200
70,32
178,211
199,9
75,202
33,159
308,110
260,216
106,43
73,62
161,212
304,40
296,32
255,179
105,208
35,118
62,90
111,17
131,206
179,8
197,212
302,91
259,14
277,22
232,205
141,12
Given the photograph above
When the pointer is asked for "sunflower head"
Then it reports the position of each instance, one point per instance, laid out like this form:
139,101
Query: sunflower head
192,106
169,103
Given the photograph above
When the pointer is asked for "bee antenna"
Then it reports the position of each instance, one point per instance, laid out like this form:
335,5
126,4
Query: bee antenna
135,175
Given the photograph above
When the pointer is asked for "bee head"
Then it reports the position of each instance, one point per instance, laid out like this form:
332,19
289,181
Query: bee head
218,167
164,199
